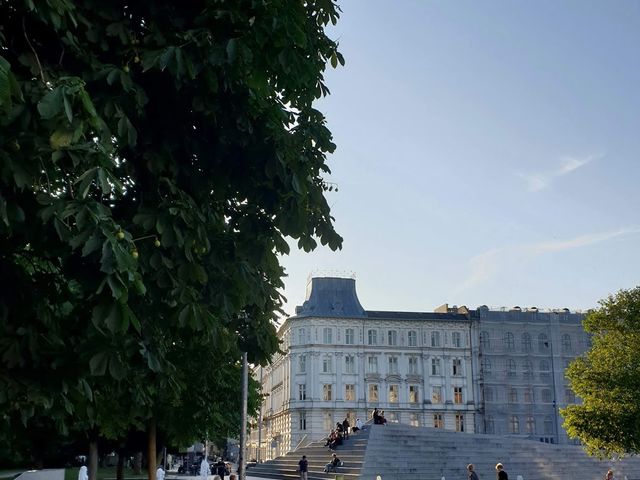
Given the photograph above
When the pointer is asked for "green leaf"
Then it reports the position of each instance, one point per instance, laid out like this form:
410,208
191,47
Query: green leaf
60,139
51,104
67,108
232,49
98,364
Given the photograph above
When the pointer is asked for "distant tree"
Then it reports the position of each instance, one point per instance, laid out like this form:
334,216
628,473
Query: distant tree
154,157
607,379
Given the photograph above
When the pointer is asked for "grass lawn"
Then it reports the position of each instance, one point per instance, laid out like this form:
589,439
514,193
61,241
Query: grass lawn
104,473
10,474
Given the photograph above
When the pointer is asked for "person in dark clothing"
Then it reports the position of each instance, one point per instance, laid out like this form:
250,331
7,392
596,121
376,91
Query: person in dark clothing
333,465
220,468
303,467
345,427
470,473
500,473
376,417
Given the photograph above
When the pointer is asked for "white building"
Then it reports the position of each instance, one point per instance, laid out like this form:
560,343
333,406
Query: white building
452,368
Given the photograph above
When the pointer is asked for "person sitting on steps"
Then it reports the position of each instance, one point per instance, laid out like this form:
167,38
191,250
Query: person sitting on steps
333,465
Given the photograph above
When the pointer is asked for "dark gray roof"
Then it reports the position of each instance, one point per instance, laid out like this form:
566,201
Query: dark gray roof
331,297
416,316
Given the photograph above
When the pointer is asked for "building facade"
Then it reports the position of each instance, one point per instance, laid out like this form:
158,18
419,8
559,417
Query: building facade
452,368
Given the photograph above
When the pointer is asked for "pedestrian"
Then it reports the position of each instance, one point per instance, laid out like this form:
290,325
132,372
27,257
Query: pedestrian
303,467
159,474
358,425
204,469
609,475
376,416
500,473
220,468
345,427
82,474
470,473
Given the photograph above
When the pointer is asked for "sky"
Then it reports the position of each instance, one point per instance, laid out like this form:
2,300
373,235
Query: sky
487,154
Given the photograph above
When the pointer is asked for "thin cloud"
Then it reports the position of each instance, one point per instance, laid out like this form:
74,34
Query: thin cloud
541,180
488,264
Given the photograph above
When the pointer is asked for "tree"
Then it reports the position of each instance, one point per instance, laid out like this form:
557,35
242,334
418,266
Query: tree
154,157
607,378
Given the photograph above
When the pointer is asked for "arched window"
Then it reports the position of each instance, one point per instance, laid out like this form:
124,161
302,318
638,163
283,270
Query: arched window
485,341
511,368
527,369
526,342
513,395
486,366
508,341
566,343
544,368
514,424
543,343
530,425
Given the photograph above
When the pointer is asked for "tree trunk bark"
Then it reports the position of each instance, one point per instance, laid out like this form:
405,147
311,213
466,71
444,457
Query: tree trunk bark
93,459
120,467
151,450
137,467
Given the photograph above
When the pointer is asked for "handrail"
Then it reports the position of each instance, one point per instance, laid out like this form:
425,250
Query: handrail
300,442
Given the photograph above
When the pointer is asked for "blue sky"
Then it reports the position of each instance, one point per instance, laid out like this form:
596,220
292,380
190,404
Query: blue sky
487,154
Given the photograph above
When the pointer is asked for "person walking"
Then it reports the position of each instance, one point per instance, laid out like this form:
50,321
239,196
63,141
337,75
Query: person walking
500,473
471,474
345,427
303,467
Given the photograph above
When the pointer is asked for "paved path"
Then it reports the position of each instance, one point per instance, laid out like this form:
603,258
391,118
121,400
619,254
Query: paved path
57,474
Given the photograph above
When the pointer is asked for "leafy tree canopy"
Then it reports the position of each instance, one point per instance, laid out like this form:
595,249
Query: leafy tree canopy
607,378
154,157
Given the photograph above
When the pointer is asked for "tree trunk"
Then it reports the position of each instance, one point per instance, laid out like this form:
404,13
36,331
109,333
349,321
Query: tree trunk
137,467
151,450
120,467
93,459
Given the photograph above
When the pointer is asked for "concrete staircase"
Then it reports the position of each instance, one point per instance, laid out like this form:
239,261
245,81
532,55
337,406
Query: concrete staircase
351,452
403,452
397,451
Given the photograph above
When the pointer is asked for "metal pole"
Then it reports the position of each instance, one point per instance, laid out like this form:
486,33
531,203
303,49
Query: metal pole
260,420
242,474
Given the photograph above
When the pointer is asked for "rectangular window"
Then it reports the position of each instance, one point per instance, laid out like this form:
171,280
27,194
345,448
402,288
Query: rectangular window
459,422
393,365
513,395
327,335
392,337
414,421
413,394
413,365
413,338
373,392
435,339
301,336
372,337
457,395
488,394
350,392
435,366
372,364
302,363
530,425
436,394
349,336
393,393
302,391
327,364
350,364
437,420
326,392
457,366
456,339
303,421
528,395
